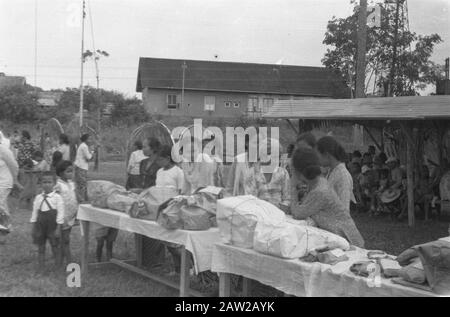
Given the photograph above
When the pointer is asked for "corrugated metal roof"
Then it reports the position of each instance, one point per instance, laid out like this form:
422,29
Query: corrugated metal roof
240,77
396,108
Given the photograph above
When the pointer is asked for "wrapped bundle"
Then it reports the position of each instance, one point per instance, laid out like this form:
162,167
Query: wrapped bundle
435,257
99,191
149,202
413,273
121,201
182,212
292,241
238,216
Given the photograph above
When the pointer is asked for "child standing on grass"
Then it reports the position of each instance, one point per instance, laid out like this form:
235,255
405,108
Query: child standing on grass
47,218
66,188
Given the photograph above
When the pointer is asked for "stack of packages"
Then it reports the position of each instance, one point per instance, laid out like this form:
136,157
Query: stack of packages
378,263
194,212
248,222
149,202
426,266
105,194
172,211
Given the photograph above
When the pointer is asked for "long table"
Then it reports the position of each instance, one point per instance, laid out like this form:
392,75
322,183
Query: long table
198,243
298,278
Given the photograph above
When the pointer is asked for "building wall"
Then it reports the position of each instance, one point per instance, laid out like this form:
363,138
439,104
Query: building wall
156,102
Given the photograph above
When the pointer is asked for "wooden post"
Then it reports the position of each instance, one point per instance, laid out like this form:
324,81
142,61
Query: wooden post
224,284
184,276
85,226
246,287
138,246
410,174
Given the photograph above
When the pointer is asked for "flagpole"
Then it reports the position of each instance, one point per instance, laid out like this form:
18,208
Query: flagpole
82,65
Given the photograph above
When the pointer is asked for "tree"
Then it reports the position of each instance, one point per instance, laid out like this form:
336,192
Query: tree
414,70
126,110
17,104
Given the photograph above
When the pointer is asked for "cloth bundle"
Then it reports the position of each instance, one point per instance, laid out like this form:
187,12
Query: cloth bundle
121,201
291,241
149,202
186,212
429,262
363,268
238,216
389,268
99,191
330,257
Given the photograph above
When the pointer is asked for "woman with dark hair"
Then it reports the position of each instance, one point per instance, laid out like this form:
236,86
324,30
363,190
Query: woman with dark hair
57,157
134,175
333,156
25,149
153,250
306,139
299,188
64,147
169,175
149,166
321,202
84,155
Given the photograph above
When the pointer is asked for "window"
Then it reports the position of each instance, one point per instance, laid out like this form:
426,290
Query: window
172,101
236,104
210,103
227,104
252,104
267,104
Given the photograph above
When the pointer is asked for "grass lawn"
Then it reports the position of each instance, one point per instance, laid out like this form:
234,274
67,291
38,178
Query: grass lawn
18,256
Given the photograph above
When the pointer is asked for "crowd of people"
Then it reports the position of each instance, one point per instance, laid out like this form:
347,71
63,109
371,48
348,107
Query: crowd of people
62,186
380,184
293,186
318,182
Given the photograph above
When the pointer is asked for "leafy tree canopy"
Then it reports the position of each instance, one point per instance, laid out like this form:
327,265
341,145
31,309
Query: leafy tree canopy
414,70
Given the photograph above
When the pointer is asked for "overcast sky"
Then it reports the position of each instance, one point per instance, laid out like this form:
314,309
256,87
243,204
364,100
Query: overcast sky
261,31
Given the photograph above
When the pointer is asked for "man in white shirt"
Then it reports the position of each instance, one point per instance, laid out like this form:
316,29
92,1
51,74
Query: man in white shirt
9,170
134,174
82,159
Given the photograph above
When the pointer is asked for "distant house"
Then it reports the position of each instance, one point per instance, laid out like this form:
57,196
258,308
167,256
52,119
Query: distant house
108,110
225,89
11,81
48,99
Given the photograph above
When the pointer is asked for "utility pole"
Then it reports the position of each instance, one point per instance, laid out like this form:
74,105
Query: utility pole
361,50
82,65
35,42
184,66
394,50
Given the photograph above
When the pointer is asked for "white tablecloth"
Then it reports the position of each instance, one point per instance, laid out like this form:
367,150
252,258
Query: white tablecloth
299,278
199,243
